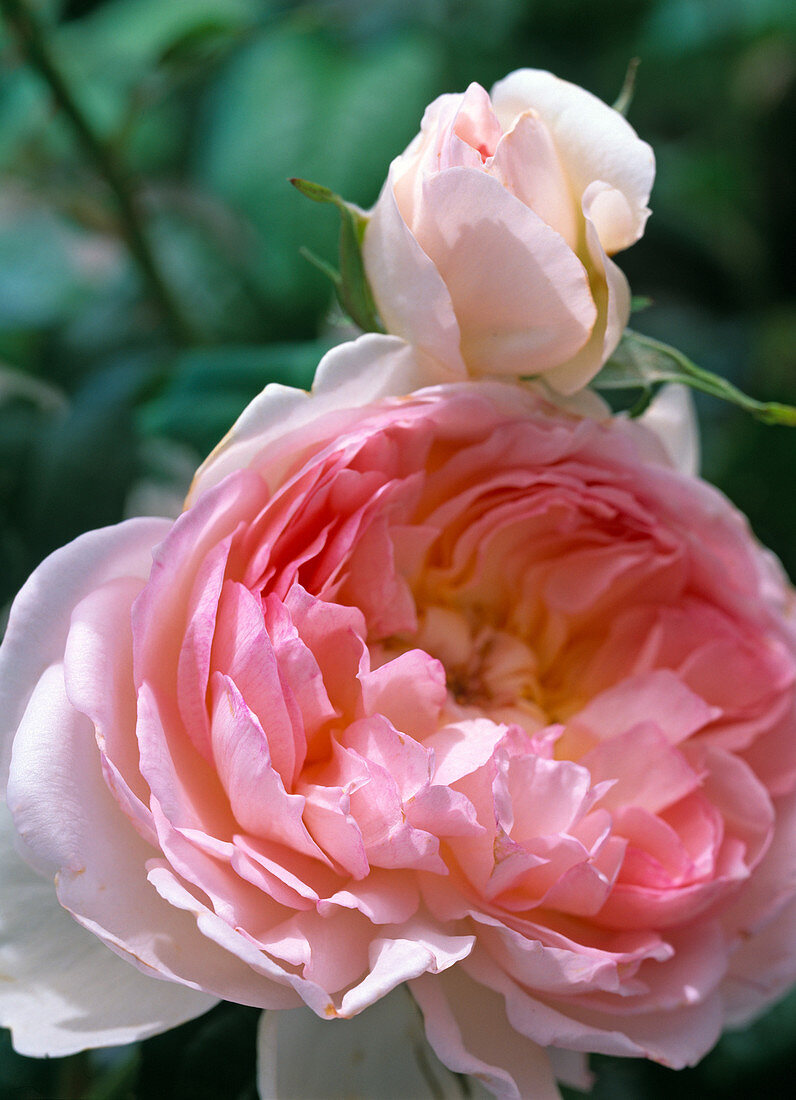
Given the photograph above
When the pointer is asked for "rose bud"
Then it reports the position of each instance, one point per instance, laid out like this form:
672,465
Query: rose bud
488,248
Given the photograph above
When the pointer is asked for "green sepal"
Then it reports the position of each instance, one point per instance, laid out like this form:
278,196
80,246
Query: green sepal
641,363
625,97
639,302
350,282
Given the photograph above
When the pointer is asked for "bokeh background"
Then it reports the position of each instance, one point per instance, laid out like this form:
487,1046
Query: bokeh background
118,371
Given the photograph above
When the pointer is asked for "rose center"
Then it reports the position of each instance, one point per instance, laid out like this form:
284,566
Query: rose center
489,672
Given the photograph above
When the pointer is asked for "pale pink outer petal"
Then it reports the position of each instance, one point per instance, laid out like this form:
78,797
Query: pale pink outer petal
468,1028
69,824
409,292
672,417
674,1016
349,376
381,1053
413,949
611,293
594,142
61,989
764,914
520,294
40,616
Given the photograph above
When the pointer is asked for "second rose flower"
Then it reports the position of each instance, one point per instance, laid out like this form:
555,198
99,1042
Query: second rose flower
488,248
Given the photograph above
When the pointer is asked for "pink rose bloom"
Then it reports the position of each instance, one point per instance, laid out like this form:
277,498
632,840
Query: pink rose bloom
456,691
489,246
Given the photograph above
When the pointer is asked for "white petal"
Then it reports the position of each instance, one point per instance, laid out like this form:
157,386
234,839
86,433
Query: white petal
39,619
471,1033
61,989
672,417
593,141
349,376
411,296
380,1053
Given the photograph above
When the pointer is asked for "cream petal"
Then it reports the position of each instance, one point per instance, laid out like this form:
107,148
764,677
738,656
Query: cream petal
61,989
672,417
611,294
527,164
593,141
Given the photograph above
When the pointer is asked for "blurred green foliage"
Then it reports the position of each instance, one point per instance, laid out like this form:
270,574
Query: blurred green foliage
207,107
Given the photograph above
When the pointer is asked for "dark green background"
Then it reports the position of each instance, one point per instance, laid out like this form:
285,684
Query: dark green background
210,105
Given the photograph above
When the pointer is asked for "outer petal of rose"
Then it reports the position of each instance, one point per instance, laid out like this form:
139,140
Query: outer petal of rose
764,917
675,1023
62,990
349,376
382,1052
39,620
70,825
762,970
409,292
520,294
611,293
593,141
467,1026
672,416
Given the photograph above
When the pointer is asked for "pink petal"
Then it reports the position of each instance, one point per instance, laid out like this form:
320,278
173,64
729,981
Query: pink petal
521,296
467,1027
410,294
526,162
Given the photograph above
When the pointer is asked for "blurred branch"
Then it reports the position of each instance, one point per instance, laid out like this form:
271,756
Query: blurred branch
32,40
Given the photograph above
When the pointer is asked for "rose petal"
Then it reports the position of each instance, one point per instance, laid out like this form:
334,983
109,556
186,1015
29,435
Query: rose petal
593,141
62,990
381,1052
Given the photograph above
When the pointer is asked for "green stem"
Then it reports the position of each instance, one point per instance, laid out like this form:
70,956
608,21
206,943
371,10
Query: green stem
770,412
35,47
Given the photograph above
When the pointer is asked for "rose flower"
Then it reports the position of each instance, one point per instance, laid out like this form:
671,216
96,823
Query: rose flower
457,690
489,246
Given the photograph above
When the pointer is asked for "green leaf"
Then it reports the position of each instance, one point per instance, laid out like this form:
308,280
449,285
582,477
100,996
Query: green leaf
82,462
351,282
316,191
117,1082
642,363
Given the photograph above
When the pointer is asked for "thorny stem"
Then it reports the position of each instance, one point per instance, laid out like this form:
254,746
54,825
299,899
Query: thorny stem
33,43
